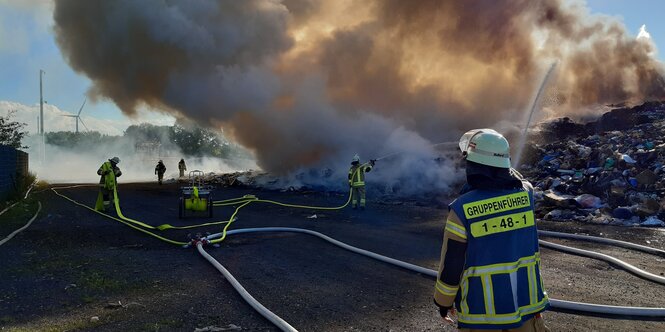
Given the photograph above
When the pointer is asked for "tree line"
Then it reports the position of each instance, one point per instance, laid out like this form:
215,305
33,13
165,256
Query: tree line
196,142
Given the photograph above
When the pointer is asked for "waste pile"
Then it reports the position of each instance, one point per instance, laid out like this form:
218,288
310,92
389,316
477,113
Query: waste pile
245,179
610,171
263,180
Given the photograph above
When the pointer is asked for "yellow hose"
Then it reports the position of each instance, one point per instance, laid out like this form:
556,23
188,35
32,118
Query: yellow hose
118,219
243,201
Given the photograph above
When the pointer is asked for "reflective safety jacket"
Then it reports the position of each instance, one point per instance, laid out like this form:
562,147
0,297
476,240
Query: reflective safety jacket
357,175
108,174
500,286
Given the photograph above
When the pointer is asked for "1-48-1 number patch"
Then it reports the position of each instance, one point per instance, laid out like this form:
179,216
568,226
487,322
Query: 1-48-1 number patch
501,224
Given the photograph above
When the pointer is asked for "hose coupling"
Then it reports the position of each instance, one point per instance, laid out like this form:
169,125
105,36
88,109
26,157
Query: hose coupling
198,238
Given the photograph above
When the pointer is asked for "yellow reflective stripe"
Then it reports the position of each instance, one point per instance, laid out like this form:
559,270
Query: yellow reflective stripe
533,285
486,281
501,318
465,293
485,273
542,286
498,204
501,267
502,224
445,289
456,229
356,178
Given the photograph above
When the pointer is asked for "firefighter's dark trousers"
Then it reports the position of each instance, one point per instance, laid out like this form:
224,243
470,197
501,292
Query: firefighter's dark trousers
107,196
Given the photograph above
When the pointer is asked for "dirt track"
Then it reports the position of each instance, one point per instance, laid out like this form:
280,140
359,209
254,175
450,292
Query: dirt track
71,264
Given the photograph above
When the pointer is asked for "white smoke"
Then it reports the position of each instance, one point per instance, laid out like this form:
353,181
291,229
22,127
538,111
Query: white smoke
55,119
57,164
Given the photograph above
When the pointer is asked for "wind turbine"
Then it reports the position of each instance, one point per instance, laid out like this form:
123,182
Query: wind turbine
78,117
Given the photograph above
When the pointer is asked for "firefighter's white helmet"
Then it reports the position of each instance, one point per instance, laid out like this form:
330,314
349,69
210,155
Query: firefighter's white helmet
115,160
486,147
356,158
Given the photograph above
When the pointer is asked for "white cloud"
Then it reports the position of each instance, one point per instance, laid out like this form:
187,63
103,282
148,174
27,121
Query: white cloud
55,121
643,34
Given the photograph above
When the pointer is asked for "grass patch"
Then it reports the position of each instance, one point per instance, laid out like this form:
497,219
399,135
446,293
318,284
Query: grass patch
56,326
64,264
41,184
98,282
21,185
17,216
87,299
166,324
93,284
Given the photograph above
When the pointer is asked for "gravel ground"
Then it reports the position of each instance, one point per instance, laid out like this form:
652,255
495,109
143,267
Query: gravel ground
72,265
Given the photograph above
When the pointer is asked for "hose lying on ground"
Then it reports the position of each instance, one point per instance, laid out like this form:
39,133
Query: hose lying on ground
603,240
240,201
120,220
10,236
246,200
573,307
592,254
566,306
7,208
269,315
24,197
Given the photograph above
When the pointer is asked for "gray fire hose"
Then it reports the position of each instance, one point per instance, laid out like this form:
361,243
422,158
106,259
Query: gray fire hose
10,236
603,240
561,305
279,322
607,258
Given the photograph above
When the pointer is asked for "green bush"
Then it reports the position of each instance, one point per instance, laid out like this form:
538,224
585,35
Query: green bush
21,185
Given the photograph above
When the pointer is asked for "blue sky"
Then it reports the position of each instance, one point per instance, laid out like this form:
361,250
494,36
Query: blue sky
634,13
27,44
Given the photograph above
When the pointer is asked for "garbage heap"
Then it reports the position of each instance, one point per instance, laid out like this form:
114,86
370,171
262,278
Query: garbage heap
610,171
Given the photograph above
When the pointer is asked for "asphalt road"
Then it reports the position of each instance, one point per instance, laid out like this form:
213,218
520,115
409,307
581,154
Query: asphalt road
72,265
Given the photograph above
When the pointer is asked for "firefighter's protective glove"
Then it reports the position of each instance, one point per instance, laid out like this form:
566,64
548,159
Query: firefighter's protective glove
372,162
446,313
450,316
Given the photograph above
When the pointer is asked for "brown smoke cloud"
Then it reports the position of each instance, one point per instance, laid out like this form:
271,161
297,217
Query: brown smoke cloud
305,82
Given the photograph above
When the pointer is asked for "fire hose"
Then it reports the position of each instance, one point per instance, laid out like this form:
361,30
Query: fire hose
24,197
603,240
557,305
584,308
10,236
269,315
39,208
565,306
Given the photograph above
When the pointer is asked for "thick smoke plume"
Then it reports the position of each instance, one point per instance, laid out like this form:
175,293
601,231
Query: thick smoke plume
310,83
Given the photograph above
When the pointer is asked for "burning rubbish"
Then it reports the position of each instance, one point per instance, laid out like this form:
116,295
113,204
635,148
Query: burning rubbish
611,171
282,94
308,83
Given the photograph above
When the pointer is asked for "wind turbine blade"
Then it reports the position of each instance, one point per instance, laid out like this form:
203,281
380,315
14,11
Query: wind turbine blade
81,109
86,127
70,115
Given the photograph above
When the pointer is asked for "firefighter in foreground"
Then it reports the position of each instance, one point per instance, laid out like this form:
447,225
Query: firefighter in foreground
490,263
182,167
357,181
160,169
109,171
